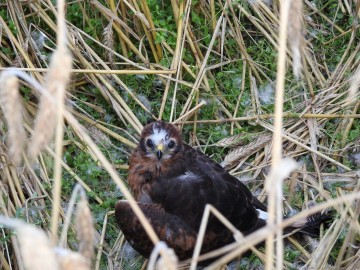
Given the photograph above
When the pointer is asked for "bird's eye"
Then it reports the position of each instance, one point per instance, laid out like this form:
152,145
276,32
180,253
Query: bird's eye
149,143
171,144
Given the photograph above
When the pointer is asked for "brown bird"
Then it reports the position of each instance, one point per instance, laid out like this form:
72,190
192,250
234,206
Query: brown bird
173,182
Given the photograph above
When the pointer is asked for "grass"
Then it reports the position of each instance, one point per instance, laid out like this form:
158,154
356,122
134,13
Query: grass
236,76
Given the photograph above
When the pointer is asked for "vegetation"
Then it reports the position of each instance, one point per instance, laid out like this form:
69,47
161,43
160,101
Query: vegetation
209,66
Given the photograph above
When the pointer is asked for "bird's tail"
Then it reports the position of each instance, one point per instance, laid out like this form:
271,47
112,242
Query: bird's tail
311,225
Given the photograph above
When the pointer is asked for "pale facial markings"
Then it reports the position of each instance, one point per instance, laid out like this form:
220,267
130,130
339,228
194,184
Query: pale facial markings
157,143
158,136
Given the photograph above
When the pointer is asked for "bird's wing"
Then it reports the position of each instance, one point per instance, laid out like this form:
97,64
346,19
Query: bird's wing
169,228
196,180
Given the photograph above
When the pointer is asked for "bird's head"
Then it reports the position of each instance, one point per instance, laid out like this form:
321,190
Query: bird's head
160,140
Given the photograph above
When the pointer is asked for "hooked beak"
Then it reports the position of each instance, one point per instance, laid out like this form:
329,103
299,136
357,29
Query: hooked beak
159,149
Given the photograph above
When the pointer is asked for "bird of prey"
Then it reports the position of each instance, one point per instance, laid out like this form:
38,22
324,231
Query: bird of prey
172,183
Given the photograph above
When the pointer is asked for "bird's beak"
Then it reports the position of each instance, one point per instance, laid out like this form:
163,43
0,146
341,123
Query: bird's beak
159,149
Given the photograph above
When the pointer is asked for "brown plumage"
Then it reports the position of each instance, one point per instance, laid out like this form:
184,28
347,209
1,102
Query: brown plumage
172,183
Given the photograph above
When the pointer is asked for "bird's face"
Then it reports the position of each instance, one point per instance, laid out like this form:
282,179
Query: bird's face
160,141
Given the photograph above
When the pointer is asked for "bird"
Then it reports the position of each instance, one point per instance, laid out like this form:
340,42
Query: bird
172,183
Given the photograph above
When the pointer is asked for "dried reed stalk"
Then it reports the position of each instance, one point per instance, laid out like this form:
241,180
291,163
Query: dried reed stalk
36,249
352,99
124,15
69,260
233,141
245,151
38,253
105,72
161,264
273,184
11,104
108,37
202,68
102,239
84,228
182,22
209,209
295,34
56,80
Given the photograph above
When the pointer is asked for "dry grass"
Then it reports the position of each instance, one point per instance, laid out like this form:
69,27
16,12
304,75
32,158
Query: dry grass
35,249
11,105
316,118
